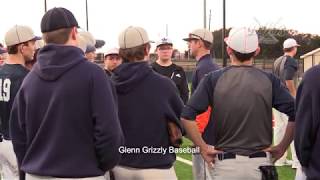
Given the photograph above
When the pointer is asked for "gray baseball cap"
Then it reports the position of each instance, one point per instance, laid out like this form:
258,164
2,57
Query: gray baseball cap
133,37
19,34
202,34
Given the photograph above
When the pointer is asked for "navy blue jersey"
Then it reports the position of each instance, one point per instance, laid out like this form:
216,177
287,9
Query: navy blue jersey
286,68
204,66
11,77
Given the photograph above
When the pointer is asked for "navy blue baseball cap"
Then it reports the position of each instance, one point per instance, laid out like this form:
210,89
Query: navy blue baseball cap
58,18
90,49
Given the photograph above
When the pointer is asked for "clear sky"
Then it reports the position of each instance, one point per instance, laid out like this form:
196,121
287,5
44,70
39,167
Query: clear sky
107,18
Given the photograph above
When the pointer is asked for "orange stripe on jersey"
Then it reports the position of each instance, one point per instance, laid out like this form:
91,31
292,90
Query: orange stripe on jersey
203,119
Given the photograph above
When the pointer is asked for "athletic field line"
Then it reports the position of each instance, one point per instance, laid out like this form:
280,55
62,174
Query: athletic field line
185,161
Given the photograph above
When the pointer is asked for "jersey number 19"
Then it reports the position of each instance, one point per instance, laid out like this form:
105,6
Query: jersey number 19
5,90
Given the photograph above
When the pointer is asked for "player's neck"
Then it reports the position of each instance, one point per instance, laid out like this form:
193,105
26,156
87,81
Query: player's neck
236,62
201,53
15,59
289,54
166,62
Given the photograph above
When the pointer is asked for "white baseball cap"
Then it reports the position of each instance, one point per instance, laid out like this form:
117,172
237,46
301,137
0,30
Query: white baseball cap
243,40
132,37
112,51
202,34
164,40
289,43
19,34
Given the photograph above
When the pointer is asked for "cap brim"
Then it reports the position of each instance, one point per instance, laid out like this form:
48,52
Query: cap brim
187,39
164,44
90,49
99,43
36,38
111,54
297,45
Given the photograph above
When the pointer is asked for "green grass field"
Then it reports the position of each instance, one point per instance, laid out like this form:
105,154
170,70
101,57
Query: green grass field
184,171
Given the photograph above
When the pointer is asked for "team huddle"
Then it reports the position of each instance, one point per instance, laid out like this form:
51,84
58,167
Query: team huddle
64,117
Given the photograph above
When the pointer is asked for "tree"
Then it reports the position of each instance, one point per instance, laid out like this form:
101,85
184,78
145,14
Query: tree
271,40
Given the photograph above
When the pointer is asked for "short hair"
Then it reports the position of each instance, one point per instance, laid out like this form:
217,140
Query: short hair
288,49
14,48
133,54
207,45
243,57
60,36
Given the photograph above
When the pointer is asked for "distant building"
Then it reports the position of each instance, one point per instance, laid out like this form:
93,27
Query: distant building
310,59
100,57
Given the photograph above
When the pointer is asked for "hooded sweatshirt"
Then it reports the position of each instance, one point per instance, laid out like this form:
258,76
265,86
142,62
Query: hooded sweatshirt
147,100
307,132
64,121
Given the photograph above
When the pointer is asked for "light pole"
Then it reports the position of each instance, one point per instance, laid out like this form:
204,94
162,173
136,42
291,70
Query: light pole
167,30
223,34
205,14
87,18
45,6
209,19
